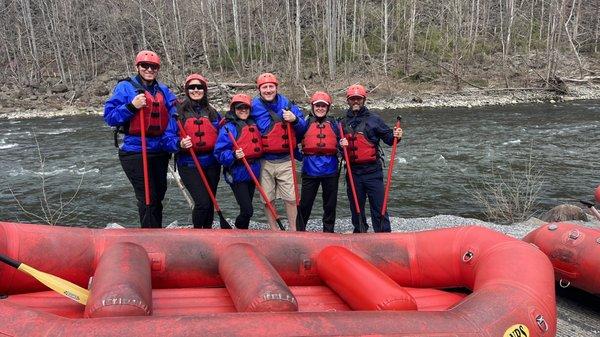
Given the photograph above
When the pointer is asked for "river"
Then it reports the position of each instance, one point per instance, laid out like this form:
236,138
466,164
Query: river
445,151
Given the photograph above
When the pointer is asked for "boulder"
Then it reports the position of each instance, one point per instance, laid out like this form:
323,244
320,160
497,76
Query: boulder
59,89
564,213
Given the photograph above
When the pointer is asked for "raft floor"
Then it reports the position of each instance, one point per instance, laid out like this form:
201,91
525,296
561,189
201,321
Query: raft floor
189,301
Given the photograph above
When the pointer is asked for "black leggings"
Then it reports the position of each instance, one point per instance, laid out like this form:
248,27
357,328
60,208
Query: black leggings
244,193
310,187
203,213
151,215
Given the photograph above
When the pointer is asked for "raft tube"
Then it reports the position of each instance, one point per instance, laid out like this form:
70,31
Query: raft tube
574,251
511,283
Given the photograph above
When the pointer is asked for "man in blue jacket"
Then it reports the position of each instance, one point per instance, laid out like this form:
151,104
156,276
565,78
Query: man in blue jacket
132,97
362,132
272,111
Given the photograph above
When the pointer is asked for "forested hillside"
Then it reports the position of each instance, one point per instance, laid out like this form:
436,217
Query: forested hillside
475,43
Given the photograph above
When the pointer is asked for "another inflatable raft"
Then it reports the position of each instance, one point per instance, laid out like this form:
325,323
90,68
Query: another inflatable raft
264,283
574,251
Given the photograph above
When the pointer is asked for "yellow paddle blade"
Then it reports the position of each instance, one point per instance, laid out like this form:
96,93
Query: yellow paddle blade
63,287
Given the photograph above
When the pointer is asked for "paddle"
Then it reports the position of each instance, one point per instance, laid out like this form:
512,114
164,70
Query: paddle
148,217
390,170
223,222
590,205
361,225
63,287
294,177
257,184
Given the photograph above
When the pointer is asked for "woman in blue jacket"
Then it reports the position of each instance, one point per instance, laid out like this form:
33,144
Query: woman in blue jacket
201,123
319,163
248,139
132,97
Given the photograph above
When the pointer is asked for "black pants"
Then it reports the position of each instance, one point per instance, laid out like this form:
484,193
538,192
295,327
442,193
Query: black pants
150,215
310,187
244,193
203,213
369,185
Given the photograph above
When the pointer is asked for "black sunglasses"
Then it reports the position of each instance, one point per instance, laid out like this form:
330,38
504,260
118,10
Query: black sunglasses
150,66
195,87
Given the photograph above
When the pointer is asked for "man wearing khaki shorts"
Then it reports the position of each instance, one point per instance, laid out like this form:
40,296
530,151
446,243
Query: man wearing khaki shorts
272,111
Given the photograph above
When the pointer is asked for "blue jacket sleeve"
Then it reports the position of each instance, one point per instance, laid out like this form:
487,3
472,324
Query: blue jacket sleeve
118,109
170,140
224,148
300,125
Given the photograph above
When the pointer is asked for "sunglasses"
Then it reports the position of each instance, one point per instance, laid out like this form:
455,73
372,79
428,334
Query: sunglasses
195,87
149,66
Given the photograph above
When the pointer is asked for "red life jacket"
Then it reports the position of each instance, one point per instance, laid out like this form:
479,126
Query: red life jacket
201,131
360,149
249,139
319,139
277,140
156,115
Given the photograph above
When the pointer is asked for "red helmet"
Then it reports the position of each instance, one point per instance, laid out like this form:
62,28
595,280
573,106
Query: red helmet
196,77
320,96
147,56
240,98
597,194
356,90
266,78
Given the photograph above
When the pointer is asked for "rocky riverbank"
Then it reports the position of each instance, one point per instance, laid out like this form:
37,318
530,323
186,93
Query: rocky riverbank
60,101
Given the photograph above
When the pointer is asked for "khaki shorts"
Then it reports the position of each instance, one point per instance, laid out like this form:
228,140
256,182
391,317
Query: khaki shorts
277,180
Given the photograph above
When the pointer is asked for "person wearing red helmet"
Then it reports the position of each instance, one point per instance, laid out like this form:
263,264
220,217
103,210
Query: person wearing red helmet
319,163
363,130
272,112
248,138
133,97
201,123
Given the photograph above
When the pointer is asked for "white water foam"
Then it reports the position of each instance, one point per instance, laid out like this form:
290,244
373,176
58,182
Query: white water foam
58,131
512,142
8,146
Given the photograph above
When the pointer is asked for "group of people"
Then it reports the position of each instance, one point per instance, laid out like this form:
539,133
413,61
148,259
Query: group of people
255,145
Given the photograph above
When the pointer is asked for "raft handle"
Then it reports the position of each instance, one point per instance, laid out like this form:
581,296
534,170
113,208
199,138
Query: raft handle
564,284
541,322
468,256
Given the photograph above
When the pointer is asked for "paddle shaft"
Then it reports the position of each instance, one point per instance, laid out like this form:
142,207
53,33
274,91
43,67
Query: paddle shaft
351,179
257,184
593,209
295,179
211,195
390,170
144,158
63,287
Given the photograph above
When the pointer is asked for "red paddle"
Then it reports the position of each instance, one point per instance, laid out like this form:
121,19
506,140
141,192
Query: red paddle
211,195
292,146
390,170
361,226
257,184
145,159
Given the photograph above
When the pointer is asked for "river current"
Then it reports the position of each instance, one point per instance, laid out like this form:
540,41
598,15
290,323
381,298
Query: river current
444,153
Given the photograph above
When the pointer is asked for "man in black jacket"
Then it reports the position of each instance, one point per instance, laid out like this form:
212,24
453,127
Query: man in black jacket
362,132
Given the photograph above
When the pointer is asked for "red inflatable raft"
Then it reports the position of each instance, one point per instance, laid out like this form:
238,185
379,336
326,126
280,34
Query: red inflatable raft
574,251
263,283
